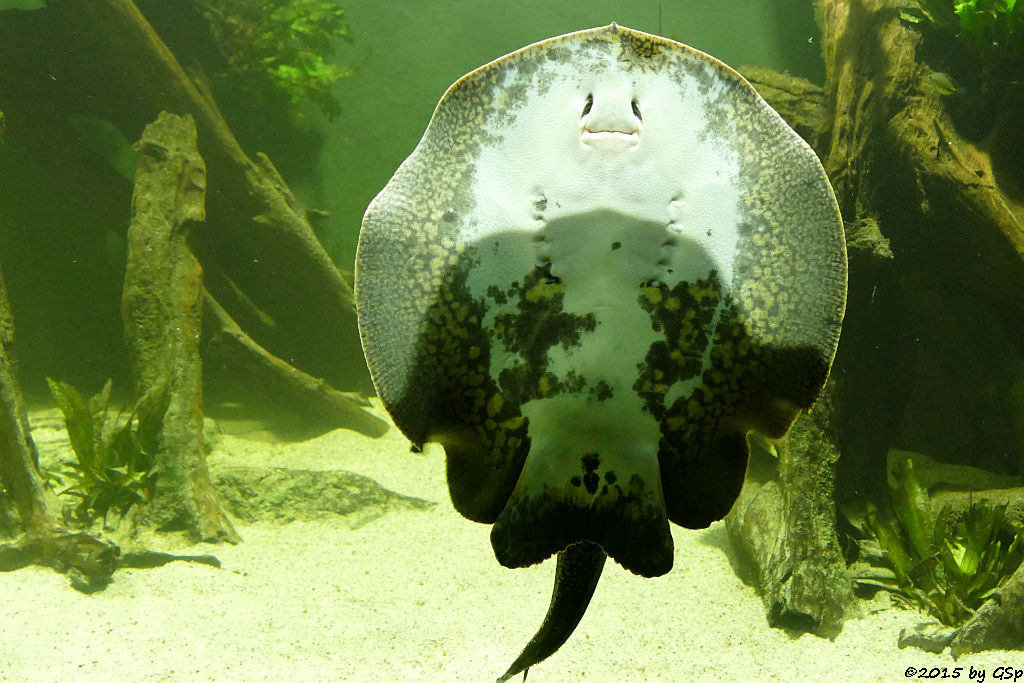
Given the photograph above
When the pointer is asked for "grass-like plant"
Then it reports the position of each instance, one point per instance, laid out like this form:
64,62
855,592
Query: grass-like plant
943,566
113,467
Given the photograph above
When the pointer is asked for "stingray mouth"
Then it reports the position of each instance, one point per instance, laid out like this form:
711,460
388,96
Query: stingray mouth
611,139
611,124
632,135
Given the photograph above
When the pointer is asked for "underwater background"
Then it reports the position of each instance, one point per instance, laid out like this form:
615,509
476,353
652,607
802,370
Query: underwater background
405,54
384,580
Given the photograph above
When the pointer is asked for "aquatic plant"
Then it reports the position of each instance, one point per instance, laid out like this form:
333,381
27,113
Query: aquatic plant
945,567
992,21
283,45
113,468
991,30
295,58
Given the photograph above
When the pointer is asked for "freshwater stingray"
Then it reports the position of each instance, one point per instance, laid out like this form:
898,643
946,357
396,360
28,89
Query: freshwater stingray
607,260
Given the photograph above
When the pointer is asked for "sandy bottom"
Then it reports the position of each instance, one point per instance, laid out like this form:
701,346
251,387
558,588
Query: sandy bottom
417,595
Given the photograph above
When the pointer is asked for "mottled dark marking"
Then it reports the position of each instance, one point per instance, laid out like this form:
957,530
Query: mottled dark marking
480,427
616,245
494,292
601,391
573,382
538,324
629,528
591,479
684,314
642,45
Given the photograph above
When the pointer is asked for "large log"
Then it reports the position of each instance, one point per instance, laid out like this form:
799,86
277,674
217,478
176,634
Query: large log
896,155
161,308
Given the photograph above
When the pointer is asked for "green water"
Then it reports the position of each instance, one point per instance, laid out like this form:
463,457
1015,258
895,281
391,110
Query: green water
414,50
928,366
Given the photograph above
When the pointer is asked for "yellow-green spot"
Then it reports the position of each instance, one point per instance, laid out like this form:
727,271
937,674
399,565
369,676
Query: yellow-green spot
494,405
653,295
513,423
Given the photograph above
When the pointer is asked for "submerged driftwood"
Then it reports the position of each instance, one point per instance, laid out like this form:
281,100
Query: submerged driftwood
238,360
102,59
998,624
949,205
259,233
923,204
161,308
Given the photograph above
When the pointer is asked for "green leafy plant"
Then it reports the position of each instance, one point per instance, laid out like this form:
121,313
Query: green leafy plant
943,566
295,41
287,45
989,21
992,31
975,19
113,467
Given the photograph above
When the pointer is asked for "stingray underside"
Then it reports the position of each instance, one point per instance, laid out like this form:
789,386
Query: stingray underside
591,317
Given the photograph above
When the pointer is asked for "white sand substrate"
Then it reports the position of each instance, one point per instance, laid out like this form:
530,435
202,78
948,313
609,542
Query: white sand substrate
416,595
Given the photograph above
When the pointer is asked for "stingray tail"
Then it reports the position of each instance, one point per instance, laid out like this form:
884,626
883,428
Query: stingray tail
577,572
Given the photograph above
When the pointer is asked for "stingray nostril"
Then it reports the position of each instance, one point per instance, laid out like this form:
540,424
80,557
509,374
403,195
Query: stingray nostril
636,110
588,106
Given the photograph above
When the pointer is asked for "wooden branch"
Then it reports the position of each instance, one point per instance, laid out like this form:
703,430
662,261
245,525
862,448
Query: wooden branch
258,232
19,462
161,309
783,524
241,361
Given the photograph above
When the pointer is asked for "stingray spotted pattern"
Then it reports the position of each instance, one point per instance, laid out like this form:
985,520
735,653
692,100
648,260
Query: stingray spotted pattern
607,261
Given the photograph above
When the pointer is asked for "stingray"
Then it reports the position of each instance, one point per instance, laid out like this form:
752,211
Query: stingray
605,263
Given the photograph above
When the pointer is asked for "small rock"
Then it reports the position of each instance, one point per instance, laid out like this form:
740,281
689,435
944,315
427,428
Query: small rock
281,494
929,636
